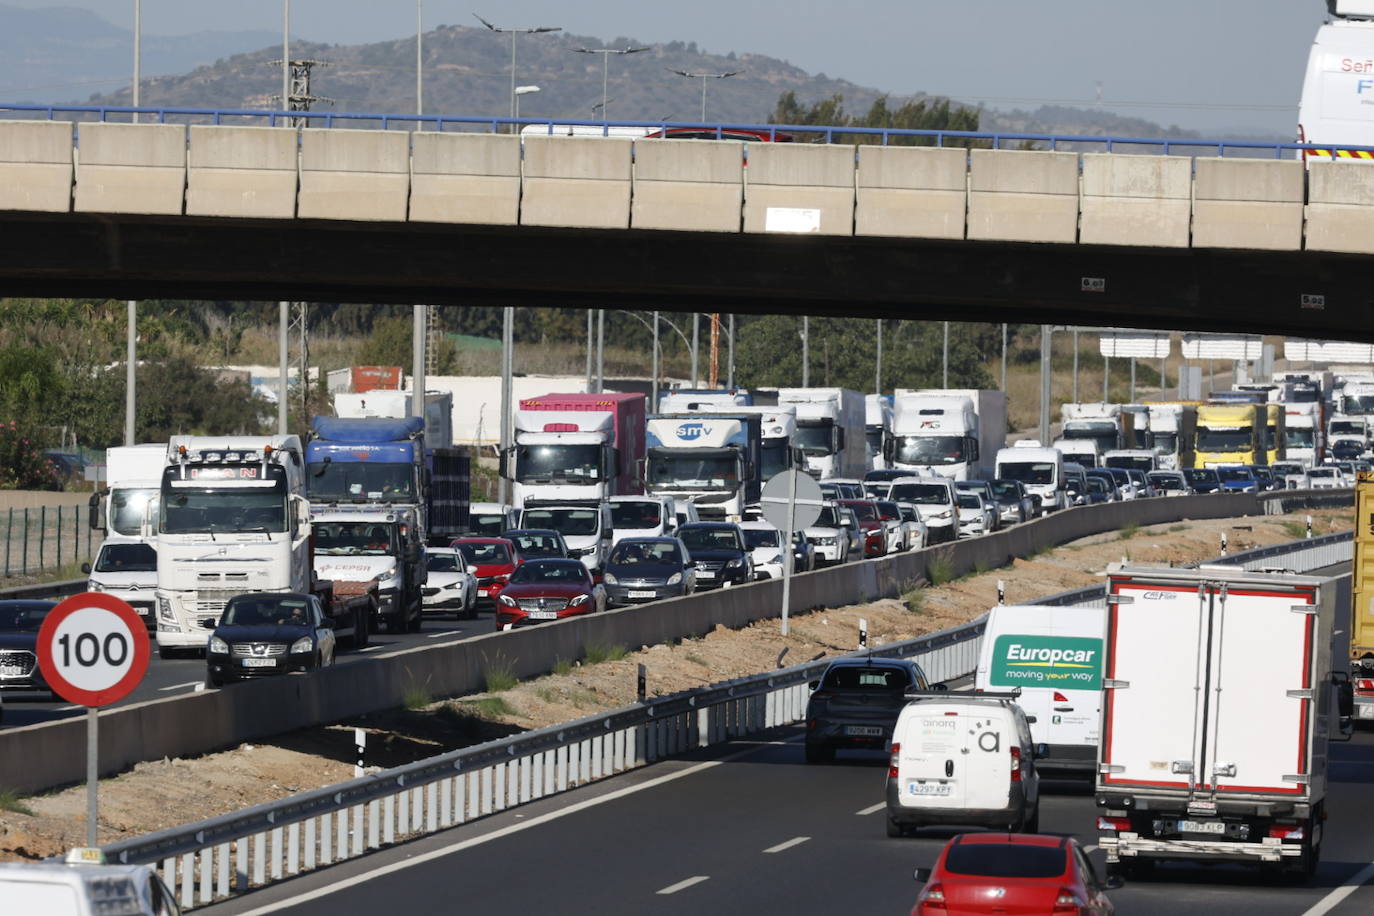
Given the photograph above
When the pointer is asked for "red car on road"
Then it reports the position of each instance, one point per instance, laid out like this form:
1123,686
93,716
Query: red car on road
1013,873
490,561
872,524
550,589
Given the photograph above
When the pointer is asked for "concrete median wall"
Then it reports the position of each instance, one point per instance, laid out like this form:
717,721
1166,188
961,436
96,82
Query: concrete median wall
1340,207
465,178
131,168
36,166
242,172
1023,196
799,189
688,185
581,182
911,192
1136,200
1247,203
38,757
354,175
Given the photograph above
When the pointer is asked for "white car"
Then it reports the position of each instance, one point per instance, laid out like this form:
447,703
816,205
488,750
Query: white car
450,588
642,517
127,569
765,545
975,516
828,537
1326,477
1170,483
897,539
917,532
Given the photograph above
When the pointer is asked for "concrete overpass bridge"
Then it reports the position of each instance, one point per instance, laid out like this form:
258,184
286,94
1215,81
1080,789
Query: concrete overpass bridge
1238,236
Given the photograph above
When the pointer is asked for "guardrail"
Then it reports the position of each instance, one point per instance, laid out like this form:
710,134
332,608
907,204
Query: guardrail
829,133
234,853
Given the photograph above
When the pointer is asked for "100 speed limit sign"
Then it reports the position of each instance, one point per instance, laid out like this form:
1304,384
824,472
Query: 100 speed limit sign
93,649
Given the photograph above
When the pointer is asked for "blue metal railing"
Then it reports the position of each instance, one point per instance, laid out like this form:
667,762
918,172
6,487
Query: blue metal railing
494,125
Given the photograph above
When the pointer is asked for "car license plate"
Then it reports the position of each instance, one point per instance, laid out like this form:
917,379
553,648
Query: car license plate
641,594
482,593
542,615
864,731
11,671
705,574
1366,710
259,662
142,611
1216,827
927,788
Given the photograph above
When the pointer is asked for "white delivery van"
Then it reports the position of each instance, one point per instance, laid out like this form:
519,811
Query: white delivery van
1338,85
642,517
962,759
1053,655
74,889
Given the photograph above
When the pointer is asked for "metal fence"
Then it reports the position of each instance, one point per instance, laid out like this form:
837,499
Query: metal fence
45,538
821,133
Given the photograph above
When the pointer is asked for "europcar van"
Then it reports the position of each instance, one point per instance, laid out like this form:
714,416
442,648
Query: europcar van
962,759
1053,655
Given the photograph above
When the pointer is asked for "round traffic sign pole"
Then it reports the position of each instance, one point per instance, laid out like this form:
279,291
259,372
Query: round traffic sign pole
93,651
790,500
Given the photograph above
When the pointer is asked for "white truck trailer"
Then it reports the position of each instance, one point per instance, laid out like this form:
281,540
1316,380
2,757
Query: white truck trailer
830,430
953,433
1219,699
1175,430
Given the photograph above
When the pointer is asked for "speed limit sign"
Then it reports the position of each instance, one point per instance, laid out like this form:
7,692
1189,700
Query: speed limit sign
93,649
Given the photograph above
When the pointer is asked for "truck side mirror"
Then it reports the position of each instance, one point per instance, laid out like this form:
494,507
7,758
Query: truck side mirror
95,505
889,447
504,469
972,449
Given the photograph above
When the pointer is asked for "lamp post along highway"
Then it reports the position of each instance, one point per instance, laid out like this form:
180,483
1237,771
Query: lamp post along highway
286,65
514,33
130,373
519,91
704,77
419,60
138,53
605,58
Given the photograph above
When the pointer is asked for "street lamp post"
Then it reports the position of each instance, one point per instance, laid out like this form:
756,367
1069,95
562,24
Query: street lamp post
138,52
944,359
806,351
534,30
704,77
286,57
519,91
605,57
419,59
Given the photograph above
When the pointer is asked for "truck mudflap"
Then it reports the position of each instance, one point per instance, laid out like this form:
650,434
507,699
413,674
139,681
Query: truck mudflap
348,588
1129,846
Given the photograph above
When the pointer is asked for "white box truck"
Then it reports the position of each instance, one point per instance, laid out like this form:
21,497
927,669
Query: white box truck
1219,700
953,432
830,430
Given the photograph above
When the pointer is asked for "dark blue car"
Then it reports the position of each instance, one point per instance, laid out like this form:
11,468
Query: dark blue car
269,633
19,623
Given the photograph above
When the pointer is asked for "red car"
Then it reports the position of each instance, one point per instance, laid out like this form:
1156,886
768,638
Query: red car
725,133
490,561
1012,873
872,525
549,589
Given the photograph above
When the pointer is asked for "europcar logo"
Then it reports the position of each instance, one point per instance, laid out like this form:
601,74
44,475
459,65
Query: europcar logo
1066,662
690,432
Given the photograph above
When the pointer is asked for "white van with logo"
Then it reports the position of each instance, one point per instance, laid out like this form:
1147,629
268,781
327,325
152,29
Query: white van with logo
1053,655
962,759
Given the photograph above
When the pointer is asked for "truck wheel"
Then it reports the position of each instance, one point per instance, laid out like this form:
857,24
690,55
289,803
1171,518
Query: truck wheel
167,652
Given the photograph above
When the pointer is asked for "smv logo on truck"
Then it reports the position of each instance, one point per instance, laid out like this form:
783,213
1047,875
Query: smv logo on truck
690,432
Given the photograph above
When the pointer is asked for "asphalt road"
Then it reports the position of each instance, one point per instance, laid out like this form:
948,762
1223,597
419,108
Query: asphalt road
170,677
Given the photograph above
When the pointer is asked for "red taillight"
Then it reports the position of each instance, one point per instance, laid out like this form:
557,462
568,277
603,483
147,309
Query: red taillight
1286,832
892,761
932,899
1060,698
1015,764
1364,685
1113,823
1067,902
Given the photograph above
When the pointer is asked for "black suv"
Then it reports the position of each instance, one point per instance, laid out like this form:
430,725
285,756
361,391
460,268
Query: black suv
856,702
717,548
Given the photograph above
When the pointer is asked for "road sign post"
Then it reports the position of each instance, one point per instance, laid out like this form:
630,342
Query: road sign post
93,651
790,500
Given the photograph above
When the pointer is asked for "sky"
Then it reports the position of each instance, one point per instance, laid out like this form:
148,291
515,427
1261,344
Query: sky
1200,64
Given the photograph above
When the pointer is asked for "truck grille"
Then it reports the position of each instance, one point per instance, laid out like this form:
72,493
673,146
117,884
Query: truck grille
20,659
543,604
211,603
257,649
213,578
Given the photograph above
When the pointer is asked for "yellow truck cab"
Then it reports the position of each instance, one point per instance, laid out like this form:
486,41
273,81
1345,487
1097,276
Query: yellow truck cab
84,886
1230,434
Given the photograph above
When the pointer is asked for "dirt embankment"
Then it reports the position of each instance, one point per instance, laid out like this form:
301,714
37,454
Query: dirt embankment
161,794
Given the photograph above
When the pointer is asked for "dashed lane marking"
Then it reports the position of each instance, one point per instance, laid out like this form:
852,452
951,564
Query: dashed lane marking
795,841
683,884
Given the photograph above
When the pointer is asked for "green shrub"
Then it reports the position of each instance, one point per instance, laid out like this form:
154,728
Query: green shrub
11,800
499,675
915,600
596,653
416,698
491,707
940,568
562,666
1128,531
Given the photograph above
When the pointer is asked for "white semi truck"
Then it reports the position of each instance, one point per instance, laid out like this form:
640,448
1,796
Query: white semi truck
830,430
878,428
953,433
1105,424
1219,699
133,476
1304,438
1174,427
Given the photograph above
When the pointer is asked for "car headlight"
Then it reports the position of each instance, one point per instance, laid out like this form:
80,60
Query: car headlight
164,609
384,576
736,563
218,646
508,601
610,579
94,586
945,514
675,578
579,600
304,644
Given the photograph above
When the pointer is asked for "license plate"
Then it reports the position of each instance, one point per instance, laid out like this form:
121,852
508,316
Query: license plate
143,611
11,671
1366,710
258,662
482,592
864,731
928,788
1216,827
641,594
705,574
542,615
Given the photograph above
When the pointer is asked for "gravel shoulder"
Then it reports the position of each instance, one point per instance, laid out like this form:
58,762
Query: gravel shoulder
160,794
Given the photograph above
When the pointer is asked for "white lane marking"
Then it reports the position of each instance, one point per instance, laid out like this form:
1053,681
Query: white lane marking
872,809
65,708
369,649
182,686
442,635
684,884
346,883
1336,897
795,841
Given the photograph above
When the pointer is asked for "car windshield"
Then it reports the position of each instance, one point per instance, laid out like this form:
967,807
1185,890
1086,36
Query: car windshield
1346,426
353,538
487,524
718,471
537,545
1200,475
1027,471
1228,474
814,437
1098,485
828,518
1005,488
659,553
755,538
127,507
1005,860
1223,440
198,511
485,554
848,677
126,558
865,512
443,562
554,463
909,513
1166,481
930,450
969,501
567,522
1166,442
23,616
251,612
636,515
1324,473
773,456
1131,462
709,538
570,572
925,494
889,511
1297,437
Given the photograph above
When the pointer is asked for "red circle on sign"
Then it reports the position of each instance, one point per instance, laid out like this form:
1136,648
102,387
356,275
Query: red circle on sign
138,633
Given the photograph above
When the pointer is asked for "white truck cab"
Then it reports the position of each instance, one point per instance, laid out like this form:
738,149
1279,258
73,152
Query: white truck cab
642,517
1084,452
